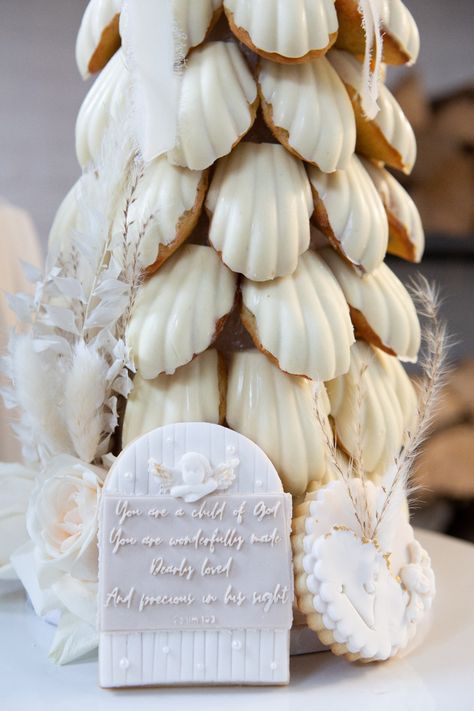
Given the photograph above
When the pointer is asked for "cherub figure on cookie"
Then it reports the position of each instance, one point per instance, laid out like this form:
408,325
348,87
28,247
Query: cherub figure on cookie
194,477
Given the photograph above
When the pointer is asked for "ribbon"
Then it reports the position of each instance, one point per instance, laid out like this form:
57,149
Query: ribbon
372,26
151,45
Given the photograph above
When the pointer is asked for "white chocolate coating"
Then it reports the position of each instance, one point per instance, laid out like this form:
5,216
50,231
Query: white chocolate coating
310,103
214,112
194,19
166,194
260,201
177,311
390,119
97,16
289,29
302,320
65,222
190,395
276,411
384,303
387,406
107,99
398,202
398,21
355,213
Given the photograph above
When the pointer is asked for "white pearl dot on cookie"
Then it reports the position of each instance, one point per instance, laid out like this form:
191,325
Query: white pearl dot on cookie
236,645
273,666
166,650
124,663
128,476
230,449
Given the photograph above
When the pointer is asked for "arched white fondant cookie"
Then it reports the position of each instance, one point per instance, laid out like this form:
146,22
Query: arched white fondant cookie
302,321
217,105
377,391
194,20
350,212
260,204
389,136
382,310
363,594
194,393
168,201
307,108
277,411
401,39
107,100
98,38
284,31
406,234
180,310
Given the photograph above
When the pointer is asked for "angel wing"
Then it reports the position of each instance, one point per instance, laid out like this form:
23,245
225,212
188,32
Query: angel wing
167,476
224,474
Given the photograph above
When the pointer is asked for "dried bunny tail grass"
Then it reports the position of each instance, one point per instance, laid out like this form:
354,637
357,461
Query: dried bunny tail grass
85,394
434,366
39,386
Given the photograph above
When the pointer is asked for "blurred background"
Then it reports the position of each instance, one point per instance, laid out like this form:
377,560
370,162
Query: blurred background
41,92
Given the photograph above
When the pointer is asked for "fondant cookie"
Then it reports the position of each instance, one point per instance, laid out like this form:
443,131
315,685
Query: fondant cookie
302,321
281,31
363,594
195,20
180,310
195,573
196,392
276,411
350,212
382,310
389,136
107,99
260,204
211,124
98,38
406,237
289,94
168,201
401,39
377,391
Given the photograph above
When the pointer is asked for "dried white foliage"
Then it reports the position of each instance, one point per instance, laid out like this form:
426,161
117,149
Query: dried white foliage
68,371
395,486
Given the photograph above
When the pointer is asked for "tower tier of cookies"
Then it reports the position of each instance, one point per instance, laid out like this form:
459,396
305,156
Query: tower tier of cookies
265,285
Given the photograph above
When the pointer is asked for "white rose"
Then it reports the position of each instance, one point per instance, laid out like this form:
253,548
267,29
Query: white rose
16,485
62,519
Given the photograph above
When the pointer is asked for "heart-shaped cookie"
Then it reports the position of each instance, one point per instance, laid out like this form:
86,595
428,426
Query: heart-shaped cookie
364,595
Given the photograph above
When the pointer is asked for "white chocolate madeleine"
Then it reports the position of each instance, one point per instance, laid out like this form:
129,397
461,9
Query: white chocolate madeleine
301,321
382,310
180,310
377,390
406,237
276,411
98,38
193,393
350,212
168,201
106,100
363,587
401,39
284,31
194,20
64,222
217,105
389,136
307,108
260,204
